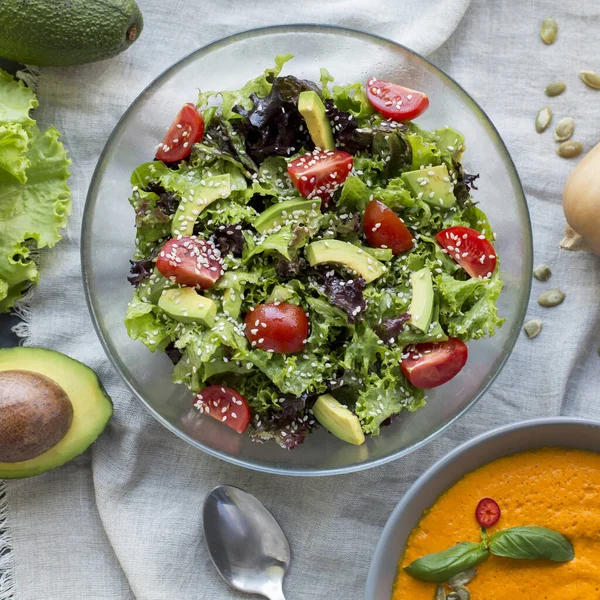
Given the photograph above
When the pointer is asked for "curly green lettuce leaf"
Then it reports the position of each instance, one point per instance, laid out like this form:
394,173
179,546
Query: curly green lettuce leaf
479,316
382,390
260,86
325,79
352,98
16,100
355,195
279,242
455,292
31,213
478,220
394,194
143,322
295,373
153,226
209,352
424,153
14,141
385,394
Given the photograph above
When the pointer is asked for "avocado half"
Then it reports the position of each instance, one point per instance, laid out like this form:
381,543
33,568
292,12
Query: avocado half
59,377
67,32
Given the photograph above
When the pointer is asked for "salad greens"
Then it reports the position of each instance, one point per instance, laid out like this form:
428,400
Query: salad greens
358,333
35,201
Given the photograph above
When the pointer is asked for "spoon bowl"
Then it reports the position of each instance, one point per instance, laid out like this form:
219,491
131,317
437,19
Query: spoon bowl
245,542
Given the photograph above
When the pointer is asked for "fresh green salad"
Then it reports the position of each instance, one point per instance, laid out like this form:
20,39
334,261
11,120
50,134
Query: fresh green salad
307,256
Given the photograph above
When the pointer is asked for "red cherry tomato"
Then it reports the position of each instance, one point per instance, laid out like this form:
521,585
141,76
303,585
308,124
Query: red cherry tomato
186,129
384,229
318,174
395,101
470,249
282,328
225,405
429,365
188,260
487,512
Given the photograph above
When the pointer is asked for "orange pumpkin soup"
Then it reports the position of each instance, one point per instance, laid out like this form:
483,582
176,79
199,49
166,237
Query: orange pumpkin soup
556,488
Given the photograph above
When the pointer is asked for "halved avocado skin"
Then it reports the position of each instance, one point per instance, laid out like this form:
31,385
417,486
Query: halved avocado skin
92,406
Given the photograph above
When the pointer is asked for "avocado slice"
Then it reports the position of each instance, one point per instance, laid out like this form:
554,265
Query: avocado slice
343,253
232,283
187,306
432,184
338,420
382,254
90,405
311,107
450,140
205,193
421,306
295,209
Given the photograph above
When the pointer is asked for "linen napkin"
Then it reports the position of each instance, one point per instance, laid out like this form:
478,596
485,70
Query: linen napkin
124,520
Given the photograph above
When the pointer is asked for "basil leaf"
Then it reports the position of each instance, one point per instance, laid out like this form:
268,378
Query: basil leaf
531,542
439,567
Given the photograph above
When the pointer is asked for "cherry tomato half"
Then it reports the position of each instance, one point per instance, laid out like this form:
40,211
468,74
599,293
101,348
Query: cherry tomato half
186,130
384,229
396,102
282,327
487,512
225,405
470,249
192,261
429,365
320,173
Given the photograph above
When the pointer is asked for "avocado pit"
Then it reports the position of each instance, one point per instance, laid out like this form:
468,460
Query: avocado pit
35,414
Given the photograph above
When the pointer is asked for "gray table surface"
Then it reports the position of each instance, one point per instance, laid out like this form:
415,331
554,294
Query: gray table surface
7,337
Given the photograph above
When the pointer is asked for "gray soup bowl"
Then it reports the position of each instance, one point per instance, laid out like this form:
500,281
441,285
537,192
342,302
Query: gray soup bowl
526,435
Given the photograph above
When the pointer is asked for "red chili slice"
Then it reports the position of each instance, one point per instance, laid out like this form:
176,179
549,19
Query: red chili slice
487,512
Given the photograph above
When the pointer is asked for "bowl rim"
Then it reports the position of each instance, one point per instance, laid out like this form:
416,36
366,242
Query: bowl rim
86,231
443,463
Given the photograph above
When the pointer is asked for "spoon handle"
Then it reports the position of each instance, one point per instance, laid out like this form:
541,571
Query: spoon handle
274,591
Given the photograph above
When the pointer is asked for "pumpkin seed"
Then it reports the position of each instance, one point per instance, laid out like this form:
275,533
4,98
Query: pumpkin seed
532,328
440,593
556,88
542,272
461,593
462,578
590,79
564,129
570,149
549,30
551,298
543,119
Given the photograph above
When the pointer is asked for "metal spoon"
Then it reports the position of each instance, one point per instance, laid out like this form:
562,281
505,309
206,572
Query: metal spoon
245,542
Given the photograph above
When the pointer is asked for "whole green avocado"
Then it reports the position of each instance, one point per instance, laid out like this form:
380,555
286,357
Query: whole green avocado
67,32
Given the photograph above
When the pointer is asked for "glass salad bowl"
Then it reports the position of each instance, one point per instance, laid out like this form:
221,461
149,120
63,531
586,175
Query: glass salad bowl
108,237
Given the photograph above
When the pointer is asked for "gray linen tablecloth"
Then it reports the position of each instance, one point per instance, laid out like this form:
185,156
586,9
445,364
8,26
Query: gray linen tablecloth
124,520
